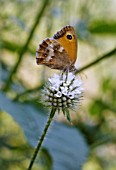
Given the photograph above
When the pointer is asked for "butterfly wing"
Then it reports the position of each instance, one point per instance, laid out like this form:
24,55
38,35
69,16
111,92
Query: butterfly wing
52,54
67,38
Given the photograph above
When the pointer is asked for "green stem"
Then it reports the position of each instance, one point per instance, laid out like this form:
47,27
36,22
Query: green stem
29,91
42,138
37,20
111,53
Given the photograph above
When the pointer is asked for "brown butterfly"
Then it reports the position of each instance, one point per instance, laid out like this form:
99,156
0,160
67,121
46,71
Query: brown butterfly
59,52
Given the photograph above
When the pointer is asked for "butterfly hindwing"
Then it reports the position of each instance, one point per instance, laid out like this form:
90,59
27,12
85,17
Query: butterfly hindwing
52,54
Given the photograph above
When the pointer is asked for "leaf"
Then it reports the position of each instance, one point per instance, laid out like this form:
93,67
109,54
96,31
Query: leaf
66,112
98,106
103,27
65,144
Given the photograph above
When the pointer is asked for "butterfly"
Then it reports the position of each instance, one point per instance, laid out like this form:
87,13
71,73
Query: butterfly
60,51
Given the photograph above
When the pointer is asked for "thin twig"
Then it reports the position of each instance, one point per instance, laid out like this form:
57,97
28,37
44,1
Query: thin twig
28,91
37,20
109,54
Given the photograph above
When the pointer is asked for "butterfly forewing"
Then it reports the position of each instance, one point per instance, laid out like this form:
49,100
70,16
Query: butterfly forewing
67,38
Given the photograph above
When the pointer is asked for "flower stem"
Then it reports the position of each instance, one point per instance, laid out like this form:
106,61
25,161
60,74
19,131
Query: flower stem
42,138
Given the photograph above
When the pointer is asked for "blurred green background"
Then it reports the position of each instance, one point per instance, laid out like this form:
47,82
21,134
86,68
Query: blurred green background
90,143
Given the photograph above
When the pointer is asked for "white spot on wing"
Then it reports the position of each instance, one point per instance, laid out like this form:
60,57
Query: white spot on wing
51,45
61,49
48,58
51,52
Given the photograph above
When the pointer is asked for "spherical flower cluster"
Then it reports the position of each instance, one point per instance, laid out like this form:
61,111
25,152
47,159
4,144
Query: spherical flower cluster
63,92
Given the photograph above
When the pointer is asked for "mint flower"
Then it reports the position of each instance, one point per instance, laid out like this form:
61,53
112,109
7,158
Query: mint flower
63,92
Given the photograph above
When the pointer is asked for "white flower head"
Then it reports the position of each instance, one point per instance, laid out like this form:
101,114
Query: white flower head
63,92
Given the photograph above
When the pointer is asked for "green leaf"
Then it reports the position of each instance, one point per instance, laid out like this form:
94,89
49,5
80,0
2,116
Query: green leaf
66,112
65,144
97,107
102,27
